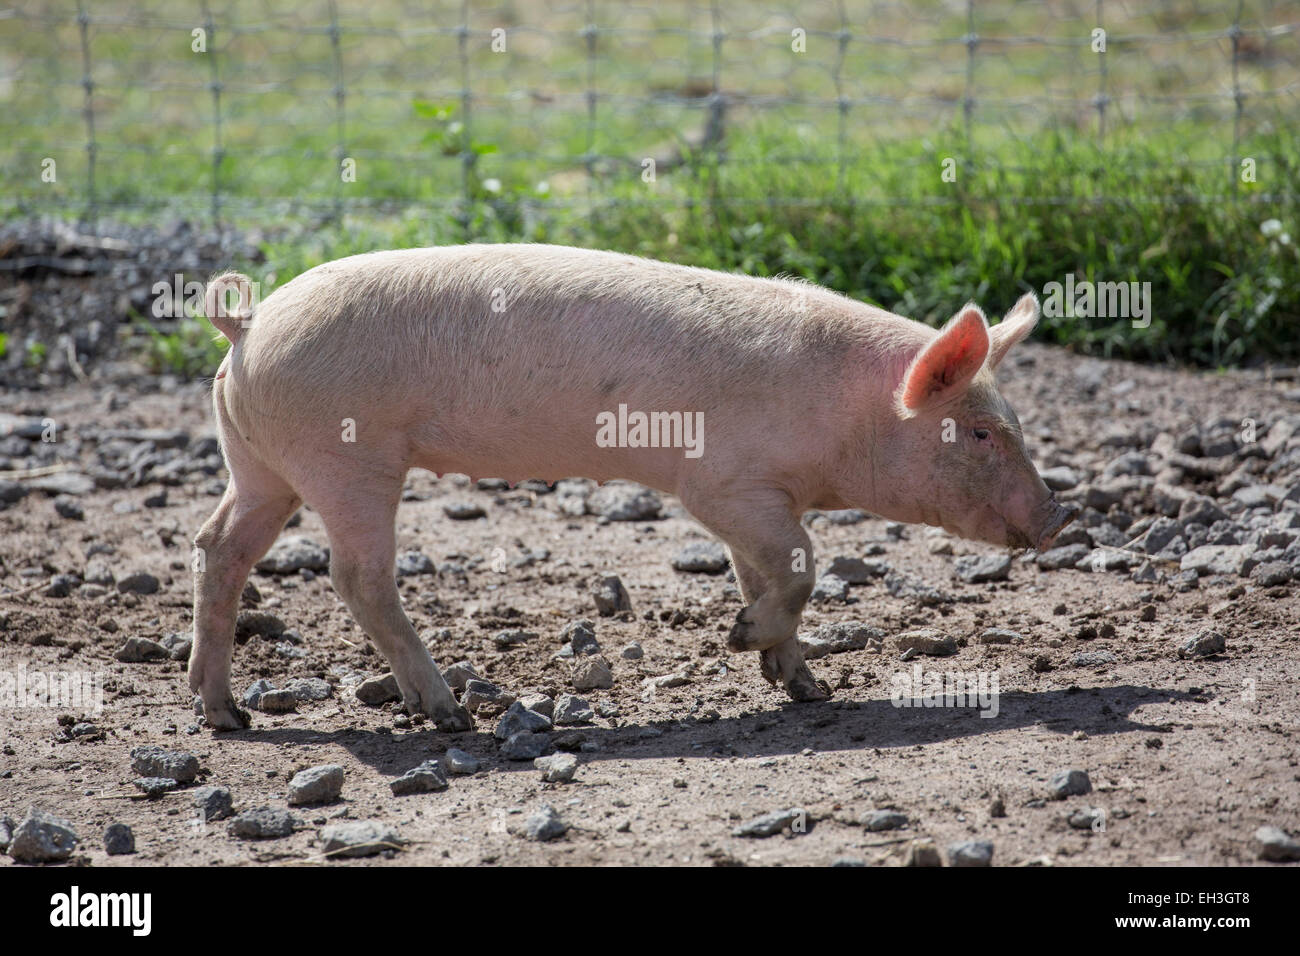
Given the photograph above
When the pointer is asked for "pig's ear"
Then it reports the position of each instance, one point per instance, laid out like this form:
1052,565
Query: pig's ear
1015,325
945,367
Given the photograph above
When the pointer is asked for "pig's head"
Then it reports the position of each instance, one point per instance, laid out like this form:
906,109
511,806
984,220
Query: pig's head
955,455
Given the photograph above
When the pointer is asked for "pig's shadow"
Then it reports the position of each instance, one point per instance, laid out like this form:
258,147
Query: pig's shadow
837,725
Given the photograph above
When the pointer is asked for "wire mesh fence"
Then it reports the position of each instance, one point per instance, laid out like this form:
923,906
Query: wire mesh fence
250,111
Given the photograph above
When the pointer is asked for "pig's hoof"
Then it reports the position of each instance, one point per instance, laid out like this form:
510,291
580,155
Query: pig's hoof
769,667
804,688
741,637
226,716
457,722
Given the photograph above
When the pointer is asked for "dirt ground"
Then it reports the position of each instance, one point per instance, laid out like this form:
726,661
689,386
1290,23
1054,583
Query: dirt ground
1187,756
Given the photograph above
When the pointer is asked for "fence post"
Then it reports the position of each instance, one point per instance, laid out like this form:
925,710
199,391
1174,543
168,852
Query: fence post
589,34
467,151
88,111
340,148
218,152
968,102
1238,98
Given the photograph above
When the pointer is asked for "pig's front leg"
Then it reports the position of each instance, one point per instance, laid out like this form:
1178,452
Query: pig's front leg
773,559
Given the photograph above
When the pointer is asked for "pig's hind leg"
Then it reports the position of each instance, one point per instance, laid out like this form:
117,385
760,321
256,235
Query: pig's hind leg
254,508
773,559
359,517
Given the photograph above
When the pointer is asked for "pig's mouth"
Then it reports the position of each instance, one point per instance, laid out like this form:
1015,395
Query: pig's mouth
1057,518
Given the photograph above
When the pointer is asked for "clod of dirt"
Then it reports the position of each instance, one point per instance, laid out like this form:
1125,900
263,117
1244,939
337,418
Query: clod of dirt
927,641
922,853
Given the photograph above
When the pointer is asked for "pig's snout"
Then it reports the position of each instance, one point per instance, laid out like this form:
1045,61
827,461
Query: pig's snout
1055,517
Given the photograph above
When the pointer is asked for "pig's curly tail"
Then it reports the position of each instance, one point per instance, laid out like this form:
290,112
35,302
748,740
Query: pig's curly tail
230,322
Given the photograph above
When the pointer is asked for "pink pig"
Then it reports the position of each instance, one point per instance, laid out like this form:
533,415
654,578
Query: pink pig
503,360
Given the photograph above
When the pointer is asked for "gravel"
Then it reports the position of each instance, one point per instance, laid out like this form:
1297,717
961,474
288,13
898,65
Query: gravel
321,784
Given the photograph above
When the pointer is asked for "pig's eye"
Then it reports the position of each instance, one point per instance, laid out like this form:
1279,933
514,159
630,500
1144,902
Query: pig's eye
981,434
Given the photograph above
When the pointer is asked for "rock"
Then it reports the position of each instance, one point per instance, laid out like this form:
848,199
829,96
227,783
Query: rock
1275,845
1093,659
878,820
1086,818
151,761
1068,783
255,692
426,778
293,554
375,691
770,824
539,703
263,624
357,838
154,787
1271,573
518,719
1203,644
1157,537
624,502
581,638
592,673
213,803
463,511
1199,509
922,853
480,692
64,483
981,568
610,596
855,570
411,563
1259,496
557,768
997,635
7,827
42,838
11,491
828,587
69,508
282,701
458,761
138,583
141,650
321,784
571,710
512,638
178,646
1216,559
970,853
309,688
846,516
545,824
927,641
459,674
632,652
1060,478
526,746
701,557
264,823
839,639
119,840
1065,556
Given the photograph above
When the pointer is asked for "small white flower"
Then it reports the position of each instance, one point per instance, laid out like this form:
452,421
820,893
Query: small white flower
543,188
492,185
1270,227
1285,238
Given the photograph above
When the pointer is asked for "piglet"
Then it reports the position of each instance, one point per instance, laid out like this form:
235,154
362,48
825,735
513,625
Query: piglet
752,400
